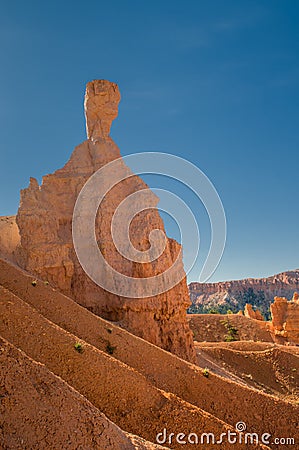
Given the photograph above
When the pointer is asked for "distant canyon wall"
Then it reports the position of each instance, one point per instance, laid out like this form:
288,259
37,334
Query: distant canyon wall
259,292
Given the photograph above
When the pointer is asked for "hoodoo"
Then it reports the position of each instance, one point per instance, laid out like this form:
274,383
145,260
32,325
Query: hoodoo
45,223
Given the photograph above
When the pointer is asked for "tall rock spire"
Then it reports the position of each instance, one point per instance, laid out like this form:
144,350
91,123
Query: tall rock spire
45,222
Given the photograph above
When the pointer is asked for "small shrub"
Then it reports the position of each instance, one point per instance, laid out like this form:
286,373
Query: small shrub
232,332
110,349
34,283
229,338
78,347
109,330
206,372
46,283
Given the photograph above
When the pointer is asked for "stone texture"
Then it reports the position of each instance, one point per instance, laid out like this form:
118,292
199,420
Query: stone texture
249,312
39,410
101,107
213,294
295,297
45,223
9,237
285,319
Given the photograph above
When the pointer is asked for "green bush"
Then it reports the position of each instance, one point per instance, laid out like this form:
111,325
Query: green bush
232,332
79,347
206,372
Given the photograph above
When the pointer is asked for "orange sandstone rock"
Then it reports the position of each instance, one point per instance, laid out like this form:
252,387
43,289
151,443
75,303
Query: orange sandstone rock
295,297
45,223
9,237
285,319
280,285
101,107
249,312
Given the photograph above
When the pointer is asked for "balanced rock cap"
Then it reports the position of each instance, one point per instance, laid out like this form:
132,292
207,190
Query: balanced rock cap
101,107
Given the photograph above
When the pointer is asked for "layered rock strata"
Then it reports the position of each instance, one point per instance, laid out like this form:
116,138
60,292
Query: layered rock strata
285,319
45,222
211,295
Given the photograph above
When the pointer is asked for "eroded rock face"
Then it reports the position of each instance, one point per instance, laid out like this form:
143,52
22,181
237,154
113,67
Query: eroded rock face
45,222
285,319
101,107
249,312
9,237
211,295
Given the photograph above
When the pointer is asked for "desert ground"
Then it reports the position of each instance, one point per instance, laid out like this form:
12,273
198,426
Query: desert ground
119,381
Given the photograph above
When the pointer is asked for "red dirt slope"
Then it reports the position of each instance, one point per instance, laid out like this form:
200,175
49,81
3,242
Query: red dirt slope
40,411
130,386
211,327
273,369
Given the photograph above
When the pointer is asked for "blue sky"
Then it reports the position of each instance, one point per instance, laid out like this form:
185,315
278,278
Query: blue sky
214,82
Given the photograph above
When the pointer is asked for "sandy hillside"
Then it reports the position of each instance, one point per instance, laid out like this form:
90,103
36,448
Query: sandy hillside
38,410
212,327
139,387
252,360
271,368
